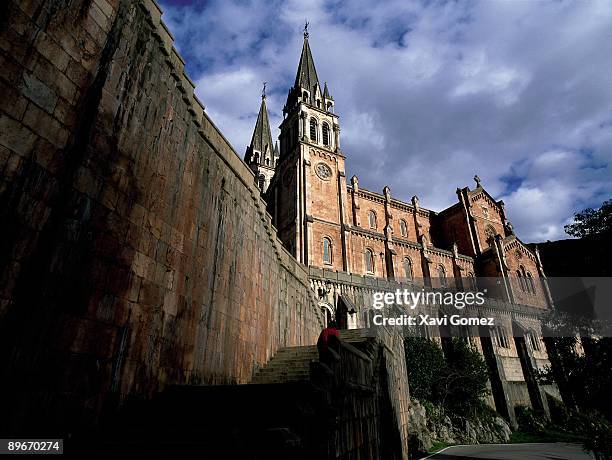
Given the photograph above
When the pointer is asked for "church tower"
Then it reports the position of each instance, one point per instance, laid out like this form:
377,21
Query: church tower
307,198
261,155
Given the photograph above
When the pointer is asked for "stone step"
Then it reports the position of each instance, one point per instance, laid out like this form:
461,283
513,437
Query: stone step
289,364
292,364
272,372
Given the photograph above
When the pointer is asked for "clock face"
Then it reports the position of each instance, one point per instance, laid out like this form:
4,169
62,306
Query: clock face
323,171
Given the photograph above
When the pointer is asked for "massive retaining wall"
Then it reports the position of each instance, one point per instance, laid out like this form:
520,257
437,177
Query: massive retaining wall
135,249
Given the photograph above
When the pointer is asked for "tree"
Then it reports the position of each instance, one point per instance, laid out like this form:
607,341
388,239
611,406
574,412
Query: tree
457,381
592,222
584,378
466,378
424,362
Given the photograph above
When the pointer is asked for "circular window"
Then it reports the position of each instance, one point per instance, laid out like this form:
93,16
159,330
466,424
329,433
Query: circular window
323,171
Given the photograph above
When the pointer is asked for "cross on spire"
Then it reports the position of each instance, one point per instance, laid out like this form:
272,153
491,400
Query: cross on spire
263,91
306,28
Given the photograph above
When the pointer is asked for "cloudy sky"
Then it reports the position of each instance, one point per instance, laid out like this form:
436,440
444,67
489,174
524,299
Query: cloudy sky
429,92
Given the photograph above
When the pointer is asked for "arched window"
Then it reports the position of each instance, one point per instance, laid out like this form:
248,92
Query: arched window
530,283
525,280
442,275
256,158
261,182
519,275
313,129
325,128
369,260
490,234
407,268
267,162
305,96
403,228
327,251
372,219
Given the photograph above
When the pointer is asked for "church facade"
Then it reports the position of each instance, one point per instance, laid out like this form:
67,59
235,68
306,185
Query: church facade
328,221
353,241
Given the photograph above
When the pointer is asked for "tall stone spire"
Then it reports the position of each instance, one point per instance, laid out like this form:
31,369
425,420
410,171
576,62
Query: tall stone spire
260,154
262,137
307,87
307,74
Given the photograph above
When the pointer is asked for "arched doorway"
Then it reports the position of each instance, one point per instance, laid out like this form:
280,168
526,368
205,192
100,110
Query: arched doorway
328,312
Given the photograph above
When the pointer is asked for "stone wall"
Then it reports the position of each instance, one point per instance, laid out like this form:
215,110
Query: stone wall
135,249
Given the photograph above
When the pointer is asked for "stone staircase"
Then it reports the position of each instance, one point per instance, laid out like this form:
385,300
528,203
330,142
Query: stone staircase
292,364
295,410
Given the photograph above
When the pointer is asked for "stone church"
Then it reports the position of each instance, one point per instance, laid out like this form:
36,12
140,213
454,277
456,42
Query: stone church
339,229
326,221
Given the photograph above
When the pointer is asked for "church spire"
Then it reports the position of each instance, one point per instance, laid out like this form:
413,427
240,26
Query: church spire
307,87
260,154
307,74
262,137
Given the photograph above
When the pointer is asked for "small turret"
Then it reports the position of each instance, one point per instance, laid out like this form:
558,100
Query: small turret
262,155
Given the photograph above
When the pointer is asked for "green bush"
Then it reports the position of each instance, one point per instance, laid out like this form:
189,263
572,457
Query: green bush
457,381
425,362
529,421
465,380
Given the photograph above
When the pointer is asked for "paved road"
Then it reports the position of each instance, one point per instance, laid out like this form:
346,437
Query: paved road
552,451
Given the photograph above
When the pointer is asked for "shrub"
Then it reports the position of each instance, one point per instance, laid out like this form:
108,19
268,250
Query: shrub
458,381
529,421
465,380
425,362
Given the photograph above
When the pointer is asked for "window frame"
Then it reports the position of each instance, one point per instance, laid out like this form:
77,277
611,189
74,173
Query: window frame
403,228
368,254
442,279
328,240
407,262
313,129
325,134
530,283
372,219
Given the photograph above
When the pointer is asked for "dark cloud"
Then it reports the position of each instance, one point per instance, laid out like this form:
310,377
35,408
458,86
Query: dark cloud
429,93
